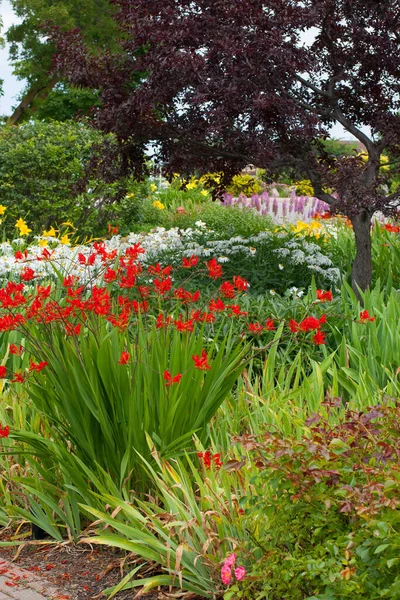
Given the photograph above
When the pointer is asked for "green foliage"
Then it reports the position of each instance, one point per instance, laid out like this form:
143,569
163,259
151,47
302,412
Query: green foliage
40,163
64,102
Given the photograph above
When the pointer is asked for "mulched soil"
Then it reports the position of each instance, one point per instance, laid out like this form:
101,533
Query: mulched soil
79,571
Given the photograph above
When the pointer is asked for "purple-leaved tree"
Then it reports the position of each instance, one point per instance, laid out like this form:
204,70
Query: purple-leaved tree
218,84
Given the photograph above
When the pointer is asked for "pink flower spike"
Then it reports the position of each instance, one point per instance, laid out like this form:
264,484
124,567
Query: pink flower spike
226,575
230,560
240,573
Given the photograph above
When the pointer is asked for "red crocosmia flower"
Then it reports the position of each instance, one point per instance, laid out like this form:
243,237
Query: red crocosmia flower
236,312
27,274
162,286
4,431
184,325
70,281
82,259
169,380
214,269
110,275
37,367
227,290
255,328
142,307
216,305
199,316
365,316
322,319
208,458
18,378
144,291
309,324
17,350
319,338
240,283
71,329
293,326
201,362
163,323
269,325
190,262
158,270
46,254
324,296
134,251
124,358
3,372
43,292
186,296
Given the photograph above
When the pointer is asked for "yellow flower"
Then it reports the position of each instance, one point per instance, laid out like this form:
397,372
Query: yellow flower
68,223
158,204
43,243
204,193
2,209
50,233
129,195
153,187
191,186
23,227
312,228
65,239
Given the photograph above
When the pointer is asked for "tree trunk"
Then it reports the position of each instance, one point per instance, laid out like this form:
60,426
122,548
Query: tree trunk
361,274
30,96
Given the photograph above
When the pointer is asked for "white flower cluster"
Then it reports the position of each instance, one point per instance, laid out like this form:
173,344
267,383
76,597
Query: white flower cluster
303,253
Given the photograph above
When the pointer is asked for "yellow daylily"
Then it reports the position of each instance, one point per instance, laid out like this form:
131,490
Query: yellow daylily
153,187
192,185
204,193
69,224
312,228
43,243
2,209
158,204
65,239
50,233
23,227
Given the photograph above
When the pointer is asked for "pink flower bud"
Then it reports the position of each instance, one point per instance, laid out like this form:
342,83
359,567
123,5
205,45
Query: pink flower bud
230,560
240,573
226,574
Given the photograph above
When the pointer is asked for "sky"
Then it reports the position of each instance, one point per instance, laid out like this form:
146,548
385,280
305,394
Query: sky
12,86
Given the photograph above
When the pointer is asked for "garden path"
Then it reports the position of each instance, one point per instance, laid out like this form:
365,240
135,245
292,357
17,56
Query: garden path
21,584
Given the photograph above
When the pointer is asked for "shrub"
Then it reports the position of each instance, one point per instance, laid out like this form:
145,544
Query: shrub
40,166
244,184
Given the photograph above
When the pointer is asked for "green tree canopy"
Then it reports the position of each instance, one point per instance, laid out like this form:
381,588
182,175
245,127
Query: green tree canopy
31,54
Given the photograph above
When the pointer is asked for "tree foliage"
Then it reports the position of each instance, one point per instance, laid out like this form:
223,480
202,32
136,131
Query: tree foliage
227,83
31,54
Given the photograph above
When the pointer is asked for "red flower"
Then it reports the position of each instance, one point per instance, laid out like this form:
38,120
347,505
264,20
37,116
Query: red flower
184,325
269,325
214,269
216,305
21,255
37,367
27,274
365,316
227,290
319,338
163,285
201,362
163,323
110,275
199,316
240,283
235,308
4,431
255,328
310,323
71,329
324,296
190,262
3,372
124,358
18,378
157,270
209,458
17,350
171,380
186,296
293,326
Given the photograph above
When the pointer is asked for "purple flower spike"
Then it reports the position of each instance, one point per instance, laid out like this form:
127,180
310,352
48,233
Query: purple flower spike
284,208
275,206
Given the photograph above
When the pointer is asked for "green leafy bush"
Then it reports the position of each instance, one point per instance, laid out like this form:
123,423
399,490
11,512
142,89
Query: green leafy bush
40,165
